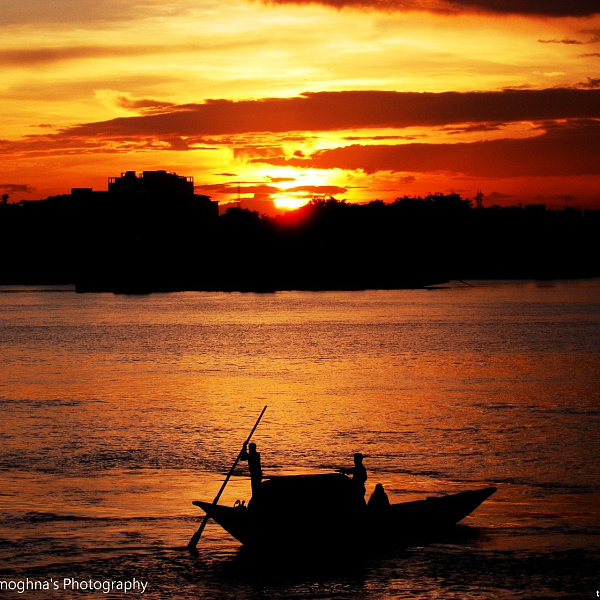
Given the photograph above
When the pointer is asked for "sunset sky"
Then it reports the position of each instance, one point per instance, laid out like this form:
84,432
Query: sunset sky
281,99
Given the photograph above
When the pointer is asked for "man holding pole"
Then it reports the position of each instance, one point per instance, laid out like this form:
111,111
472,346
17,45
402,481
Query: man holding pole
194,541
250,454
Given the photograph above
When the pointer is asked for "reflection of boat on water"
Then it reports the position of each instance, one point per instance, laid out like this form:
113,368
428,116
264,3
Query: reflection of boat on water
305,510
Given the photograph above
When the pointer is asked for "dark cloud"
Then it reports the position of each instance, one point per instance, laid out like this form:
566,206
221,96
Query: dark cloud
177,143
591,83
564,41
356,138
242,188
250,152
144,105
568,141
262,190
280,179
64,145
318,190
37,57
565,149
474,128
547,8
16,187
595,33
327,111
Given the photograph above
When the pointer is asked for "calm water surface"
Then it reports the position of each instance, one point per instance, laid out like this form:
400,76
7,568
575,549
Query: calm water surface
118,411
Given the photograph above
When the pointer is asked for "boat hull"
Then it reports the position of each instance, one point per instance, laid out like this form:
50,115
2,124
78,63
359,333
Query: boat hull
270,523
420,519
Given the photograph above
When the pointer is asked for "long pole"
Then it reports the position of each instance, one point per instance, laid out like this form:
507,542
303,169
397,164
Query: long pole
194,541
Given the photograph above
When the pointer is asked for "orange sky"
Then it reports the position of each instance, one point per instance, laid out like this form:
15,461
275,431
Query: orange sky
360,99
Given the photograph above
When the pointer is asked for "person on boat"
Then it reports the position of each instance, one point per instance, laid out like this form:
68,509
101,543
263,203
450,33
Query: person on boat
378,499
358,472
250,454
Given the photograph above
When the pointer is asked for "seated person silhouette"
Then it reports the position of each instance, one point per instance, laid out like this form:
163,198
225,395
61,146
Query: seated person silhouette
358,472
378,499
250,454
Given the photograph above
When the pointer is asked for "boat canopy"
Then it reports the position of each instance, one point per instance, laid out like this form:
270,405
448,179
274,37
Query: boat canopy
328,490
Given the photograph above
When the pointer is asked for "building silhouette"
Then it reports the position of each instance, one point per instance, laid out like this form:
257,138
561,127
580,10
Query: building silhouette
150,191
151,182
147,231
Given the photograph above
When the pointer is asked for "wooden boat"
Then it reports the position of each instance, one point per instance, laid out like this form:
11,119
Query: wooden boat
327,510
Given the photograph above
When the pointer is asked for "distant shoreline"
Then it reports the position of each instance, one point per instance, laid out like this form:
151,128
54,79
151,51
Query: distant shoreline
162,244
71,288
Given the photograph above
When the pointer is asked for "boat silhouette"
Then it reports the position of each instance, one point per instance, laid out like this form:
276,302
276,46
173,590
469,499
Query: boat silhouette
301,511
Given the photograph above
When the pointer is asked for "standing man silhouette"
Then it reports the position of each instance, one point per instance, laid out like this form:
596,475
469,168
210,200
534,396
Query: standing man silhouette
358,472
250,454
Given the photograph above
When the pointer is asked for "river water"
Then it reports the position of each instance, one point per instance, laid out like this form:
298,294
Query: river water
118,411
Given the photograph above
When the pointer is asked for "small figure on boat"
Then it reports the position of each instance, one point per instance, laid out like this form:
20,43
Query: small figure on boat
358,472
378,499
250,454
